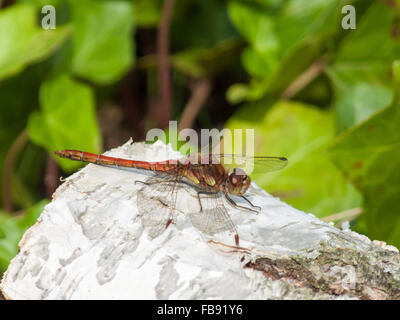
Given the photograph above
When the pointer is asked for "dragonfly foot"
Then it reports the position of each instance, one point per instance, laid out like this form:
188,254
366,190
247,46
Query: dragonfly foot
237,240
257,210
235,205
138,181
168,223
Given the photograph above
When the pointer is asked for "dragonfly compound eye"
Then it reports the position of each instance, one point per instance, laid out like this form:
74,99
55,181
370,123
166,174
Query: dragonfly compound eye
238,182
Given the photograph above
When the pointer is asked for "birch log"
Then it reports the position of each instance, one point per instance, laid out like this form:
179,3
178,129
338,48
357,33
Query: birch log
90,243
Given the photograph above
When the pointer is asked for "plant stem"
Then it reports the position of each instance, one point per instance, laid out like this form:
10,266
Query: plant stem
164,107
199,95
51,177
303,80
8,168
350,214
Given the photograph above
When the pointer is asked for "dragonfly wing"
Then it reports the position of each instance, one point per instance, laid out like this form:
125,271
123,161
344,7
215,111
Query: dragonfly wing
156,202
213,218
252,164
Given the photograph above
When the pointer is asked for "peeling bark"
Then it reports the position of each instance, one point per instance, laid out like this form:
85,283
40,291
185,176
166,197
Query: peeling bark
90,243
338,270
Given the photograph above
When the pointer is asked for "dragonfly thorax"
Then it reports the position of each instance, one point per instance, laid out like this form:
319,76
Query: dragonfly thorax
238,182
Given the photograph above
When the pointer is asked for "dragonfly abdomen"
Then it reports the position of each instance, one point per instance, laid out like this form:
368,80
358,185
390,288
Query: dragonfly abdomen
100,159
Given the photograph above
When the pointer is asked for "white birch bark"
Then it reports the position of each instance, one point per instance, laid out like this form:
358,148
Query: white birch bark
89,243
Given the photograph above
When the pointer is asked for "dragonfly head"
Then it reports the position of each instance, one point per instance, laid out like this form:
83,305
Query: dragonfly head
238,182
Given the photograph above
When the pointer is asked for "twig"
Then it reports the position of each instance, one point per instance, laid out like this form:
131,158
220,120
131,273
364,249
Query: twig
6,3
131,101
199,95
8,168
164,107
304,79
51,176
347,214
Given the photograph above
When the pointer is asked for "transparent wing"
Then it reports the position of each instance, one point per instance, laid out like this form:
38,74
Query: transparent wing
156,202
251,164
214,217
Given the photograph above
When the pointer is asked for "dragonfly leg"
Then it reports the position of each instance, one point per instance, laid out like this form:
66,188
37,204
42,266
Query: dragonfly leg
146,183
198,197
249,202
170,220
237,240
168,223
156,182
233,203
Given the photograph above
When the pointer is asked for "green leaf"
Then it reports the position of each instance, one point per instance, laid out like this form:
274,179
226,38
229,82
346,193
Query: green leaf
18,98
360,90
284,25
237,92
199,24
209,61
259,63
369,155
41,3
256,25
147,13
361,74
67,118
374,38
301,133
102,40
285,37
202,62
12,230
302,20
22,196
22,42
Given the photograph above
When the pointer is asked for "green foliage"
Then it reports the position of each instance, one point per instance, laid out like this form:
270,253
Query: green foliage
361,73
39,89
359,125
102,50
360,90
147,13
262,58
200,24
41,2
210,61
284,38
12,229
369,156
24,42
301,133
64,101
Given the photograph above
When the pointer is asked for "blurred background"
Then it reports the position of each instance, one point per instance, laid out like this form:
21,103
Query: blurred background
321,95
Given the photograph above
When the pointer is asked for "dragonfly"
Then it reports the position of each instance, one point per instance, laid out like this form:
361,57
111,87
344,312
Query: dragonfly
205,175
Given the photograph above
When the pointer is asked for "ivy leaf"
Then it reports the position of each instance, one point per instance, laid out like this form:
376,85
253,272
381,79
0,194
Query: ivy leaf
67,118
41,3
258,27
300,133
369,156
102,40
375,38
22,42
284,37
208,24
147,13
208,61
361,75
12,230
360,90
